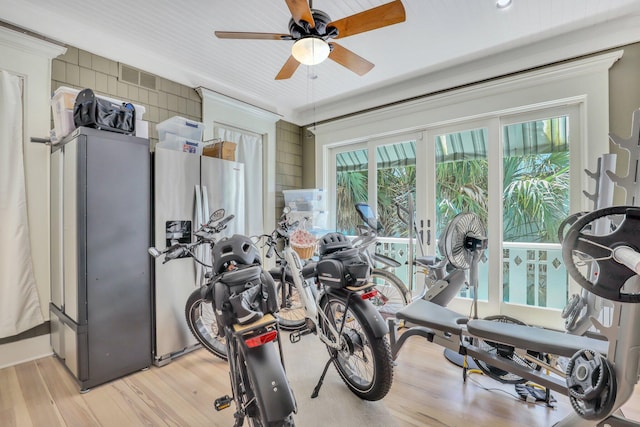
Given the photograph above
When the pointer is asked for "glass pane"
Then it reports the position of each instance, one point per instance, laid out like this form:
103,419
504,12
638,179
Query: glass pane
352,179
396,182
461,186
536,201
396,178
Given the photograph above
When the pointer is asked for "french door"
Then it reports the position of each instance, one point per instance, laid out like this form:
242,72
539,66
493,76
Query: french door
521,174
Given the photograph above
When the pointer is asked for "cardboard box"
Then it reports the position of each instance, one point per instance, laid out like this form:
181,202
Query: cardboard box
225,150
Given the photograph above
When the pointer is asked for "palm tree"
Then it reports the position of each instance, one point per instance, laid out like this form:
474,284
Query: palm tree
393,186
461,187
536,189
352,187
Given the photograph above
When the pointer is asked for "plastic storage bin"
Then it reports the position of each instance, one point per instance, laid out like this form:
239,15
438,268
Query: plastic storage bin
62,103
305,200
179,126
179,143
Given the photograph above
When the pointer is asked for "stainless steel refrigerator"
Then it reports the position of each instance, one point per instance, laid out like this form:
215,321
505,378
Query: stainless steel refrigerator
187,188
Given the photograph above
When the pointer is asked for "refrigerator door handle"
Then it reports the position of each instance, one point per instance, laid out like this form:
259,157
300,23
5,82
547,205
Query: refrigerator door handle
206,253
198,223
205,205
199,210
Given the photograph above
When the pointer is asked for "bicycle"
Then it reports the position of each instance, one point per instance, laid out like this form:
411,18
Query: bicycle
334,294
391,294
235,309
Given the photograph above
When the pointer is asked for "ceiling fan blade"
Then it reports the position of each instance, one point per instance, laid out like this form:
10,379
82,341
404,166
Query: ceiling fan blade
258,36
288,69
300,11
378,17
350,60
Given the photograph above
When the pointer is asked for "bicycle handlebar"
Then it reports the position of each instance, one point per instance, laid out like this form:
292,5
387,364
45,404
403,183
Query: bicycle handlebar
224,221
205,234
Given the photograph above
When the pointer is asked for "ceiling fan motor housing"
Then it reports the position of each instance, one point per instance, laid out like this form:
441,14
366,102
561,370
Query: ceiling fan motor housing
321,29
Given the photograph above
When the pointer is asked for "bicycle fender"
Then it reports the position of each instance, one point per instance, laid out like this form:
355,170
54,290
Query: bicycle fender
363,309
270,383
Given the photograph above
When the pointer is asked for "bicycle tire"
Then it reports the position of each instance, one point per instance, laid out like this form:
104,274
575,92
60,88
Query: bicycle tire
392,293
202,323
364,363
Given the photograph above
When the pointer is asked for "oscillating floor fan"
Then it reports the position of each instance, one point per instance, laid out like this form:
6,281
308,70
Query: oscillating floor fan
455,244
464,242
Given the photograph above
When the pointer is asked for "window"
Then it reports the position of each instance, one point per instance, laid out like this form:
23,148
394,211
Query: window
539,120
352,183
462,173
536,185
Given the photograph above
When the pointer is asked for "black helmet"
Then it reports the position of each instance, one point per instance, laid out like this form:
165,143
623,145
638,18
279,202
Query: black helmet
237,249
333,242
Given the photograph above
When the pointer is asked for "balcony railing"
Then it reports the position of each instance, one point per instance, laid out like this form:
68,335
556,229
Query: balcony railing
532,273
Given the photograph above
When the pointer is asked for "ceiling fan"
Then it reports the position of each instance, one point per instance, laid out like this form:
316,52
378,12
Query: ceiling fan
311,29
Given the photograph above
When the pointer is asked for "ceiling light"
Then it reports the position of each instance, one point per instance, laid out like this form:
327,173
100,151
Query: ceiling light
310,50
503,4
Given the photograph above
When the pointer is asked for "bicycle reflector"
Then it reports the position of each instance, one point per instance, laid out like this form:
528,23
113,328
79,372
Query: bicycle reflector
372,293
261,339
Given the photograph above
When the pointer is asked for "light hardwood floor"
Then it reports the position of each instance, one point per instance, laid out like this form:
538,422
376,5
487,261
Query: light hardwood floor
427,391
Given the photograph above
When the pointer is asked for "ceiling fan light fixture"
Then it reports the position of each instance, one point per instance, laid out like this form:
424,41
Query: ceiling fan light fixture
310,50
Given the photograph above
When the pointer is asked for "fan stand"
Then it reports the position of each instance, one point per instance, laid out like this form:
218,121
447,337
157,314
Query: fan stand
454,357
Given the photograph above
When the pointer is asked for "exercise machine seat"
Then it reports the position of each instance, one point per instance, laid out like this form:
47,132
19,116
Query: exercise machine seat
434,316
535,339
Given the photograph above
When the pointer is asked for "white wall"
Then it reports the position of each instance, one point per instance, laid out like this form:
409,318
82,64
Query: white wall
30,58
220,110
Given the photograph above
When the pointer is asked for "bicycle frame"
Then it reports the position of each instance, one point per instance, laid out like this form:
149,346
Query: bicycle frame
310,299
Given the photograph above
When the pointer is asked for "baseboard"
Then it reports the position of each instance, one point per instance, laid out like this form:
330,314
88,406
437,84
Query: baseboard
25,350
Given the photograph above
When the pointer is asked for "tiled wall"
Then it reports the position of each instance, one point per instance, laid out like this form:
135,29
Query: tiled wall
80,69
288,160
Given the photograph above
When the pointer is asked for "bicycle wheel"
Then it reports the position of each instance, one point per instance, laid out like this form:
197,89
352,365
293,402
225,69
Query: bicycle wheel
364,361
246,407
203,325
505,351
291,311
392,293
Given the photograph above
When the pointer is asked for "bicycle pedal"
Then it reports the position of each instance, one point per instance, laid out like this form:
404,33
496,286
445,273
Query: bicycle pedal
297,335
222,403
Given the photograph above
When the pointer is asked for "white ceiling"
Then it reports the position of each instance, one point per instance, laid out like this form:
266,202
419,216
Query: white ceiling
426,53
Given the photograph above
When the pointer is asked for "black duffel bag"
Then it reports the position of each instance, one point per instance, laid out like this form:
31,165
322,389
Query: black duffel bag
94,112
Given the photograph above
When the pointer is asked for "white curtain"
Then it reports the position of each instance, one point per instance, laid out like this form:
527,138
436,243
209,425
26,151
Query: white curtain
249,152
19,303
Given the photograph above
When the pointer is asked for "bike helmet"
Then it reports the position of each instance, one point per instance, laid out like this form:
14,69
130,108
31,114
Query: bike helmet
333,242
237,249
